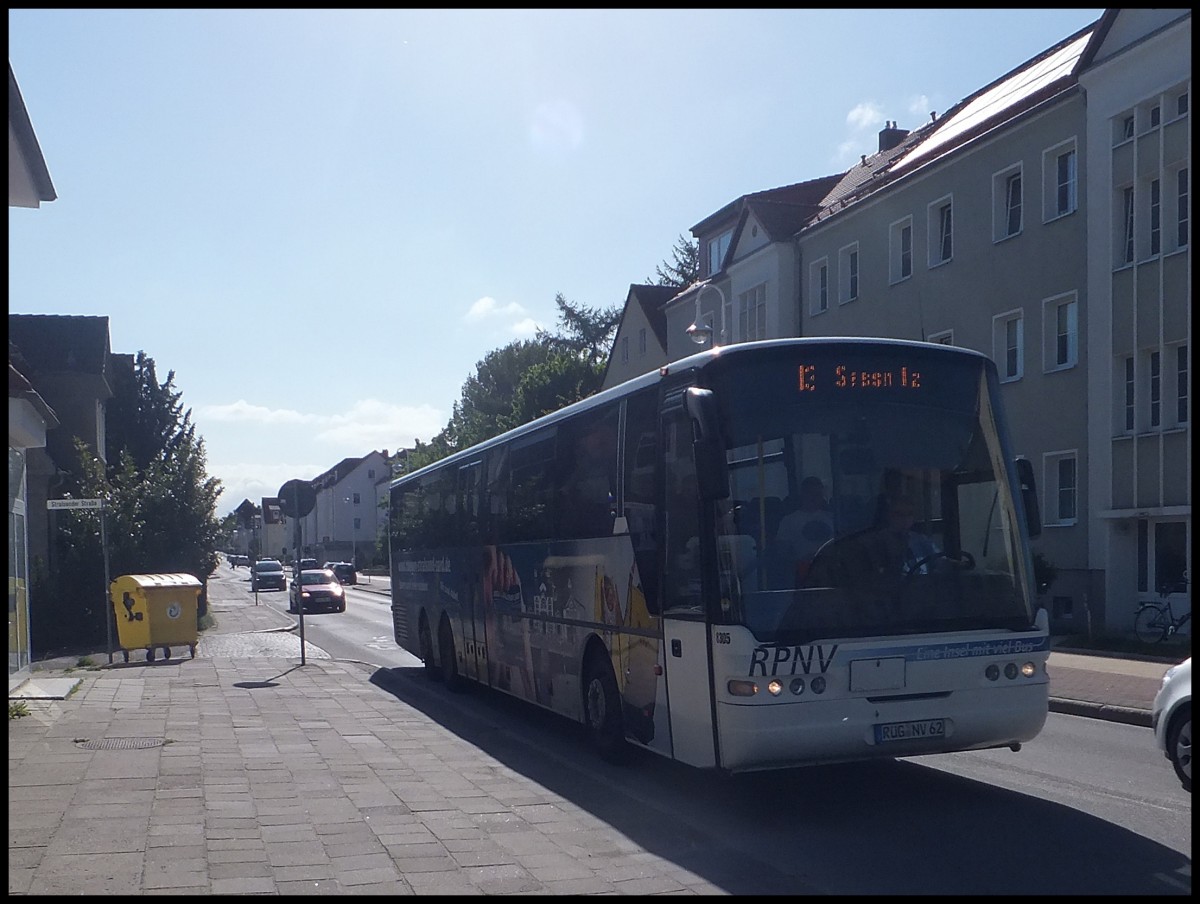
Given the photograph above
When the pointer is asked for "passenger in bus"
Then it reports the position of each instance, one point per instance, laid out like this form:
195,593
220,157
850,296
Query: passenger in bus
801,533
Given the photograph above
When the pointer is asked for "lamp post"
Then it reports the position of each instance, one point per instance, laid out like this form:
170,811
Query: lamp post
700,332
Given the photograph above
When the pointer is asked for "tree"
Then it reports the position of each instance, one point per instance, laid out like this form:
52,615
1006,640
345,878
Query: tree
682,269
160,507
582,330
527,378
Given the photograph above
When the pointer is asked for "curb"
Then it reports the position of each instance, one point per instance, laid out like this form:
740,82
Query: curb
1109,713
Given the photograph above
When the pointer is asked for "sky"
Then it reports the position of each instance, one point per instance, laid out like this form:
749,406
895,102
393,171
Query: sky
321,221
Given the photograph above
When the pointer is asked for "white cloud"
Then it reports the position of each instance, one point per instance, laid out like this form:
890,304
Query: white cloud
487,307
525,327
241,411
920,107
865,115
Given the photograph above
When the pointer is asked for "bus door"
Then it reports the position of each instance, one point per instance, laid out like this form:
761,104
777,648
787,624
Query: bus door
467,580
687,662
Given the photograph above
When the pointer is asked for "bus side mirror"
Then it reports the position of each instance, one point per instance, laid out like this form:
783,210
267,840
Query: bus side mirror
712,469
1033,517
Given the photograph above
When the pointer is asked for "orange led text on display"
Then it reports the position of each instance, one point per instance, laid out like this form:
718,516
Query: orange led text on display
811,378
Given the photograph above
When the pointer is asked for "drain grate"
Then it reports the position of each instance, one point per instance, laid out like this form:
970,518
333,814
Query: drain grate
120,743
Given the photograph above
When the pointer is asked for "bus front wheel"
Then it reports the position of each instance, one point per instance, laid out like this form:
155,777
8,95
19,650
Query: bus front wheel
602,711
449,662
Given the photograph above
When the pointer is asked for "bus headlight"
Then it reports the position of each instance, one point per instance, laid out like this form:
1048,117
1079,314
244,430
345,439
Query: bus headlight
818,684
775,687
797,686
1010,671
992,672
1028,669
739,687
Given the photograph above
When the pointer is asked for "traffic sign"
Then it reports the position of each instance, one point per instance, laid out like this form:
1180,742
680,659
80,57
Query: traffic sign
297,498
74,503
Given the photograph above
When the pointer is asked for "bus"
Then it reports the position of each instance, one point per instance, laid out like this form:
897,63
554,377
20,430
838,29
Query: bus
618,561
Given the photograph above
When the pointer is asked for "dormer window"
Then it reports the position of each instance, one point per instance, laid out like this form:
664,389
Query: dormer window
716,251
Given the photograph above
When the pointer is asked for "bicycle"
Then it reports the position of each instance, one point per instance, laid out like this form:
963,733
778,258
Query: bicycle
1155,622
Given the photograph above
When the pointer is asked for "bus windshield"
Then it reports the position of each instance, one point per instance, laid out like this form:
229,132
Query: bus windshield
870,495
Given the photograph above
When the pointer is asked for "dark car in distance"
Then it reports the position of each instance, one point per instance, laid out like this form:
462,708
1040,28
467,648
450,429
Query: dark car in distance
317,588
267,574
344,571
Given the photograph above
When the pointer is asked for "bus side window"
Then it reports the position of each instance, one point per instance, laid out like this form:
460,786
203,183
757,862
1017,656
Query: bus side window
587,467
639,508
531,498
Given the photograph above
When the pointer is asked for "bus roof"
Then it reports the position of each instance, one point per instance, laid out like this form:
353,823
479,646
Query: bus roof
696,361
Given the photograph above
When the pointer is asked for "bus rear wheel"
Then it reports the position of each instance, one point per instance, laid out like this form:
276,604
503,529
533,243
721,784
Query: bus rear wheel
602,711
449,662
425,639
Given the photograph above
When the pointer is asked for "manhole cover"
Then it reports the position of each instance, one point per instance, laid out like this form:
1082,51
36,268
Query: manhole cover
122,743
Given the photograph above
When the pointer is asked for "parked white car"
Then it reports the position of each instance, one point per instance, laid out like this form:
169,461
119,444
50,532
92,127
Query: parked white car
1172,720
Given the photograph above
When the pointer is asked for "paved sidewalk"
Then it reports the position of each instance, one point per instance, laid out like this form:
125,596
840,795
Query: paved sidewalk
243,772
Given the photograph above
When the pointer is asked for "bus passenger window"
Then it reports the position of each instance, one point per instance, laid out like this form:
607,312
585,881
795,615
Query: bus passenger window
587,463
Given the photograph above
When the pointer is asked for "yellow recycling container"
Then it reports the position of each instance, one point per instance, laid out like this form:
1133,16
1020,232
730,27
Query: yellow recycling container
156,610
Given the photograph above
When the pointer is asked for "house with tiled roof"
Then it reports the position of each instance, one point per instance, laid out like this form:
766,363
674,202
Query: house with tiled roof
747,269
640,342
347,518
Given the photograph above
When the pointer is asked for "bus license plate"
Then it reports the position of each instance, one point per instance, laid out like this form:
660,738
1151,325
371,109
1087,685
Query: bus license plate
919,730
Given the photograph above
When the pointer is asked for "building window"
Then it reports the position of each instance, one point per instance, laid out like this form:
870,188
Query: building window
1155,216
642,341
1130,394
1060,178
1155,116
1181,385
1012,205
1155,389
1127,234
941,226
1065,196
752,314
818,278
1127,127
848,273
624,349
1181,202
1061,319
901,250
1181,104
1006,203
357,524
1007,336
1062,490
717,249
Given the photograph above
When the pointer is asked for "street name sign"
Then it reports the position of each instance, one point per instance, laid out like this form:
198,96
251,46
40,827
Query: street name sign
74,503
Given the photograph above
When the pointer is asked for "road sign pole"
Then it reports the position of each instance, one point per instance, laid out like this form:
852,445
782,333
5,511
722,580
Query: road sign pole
296,587
110,612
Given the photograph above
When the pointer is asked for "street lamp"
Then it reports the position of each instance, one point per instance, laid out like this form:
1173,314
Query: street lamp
700,332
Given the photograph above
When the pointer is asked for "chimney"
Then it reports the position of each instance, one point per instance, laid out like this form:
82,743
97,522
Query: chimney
890,136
